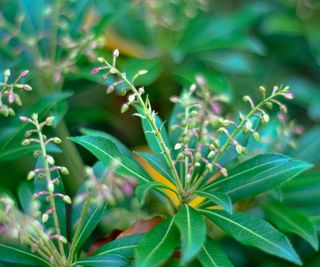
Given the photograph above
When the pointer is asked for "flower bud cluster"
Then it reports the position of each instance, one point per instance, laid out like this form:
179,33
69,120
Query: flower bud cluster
108,188
45,171
119,82
8,92
22,228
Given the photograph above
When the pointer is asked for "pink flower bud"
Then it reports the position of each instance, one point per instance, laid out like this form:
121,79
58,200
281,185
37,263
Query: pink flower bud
24,74
24,118
289,95
95,70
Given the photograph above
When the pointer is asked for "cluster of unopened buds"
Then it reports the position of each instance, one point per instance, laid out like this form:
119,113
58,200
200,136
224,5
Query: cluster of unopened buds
8,94
122,84
47,168
14,225
200,122
108,188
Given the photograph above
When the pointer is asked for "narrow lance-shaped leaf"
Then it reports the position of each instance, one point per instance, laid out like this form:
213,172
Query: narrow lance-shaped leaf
291,220
192,229
107,260
258,175
212,255
123,246
143,189
93,216
158,244
150,135
20,255
122,148
254,231
217,198
107,152
156,163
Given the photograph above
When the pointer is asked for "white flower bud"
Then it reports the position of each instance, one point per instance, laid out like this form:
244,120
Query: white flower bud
31,175
50,187
124,108
177,146
256,136
142,72
45,217
64,171
67,199
116,53
50,160
25,142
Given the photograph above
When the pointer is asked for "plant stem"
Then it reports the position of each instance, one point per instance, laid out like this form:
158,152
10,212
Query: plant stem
50,196
232,136
154,128
74,242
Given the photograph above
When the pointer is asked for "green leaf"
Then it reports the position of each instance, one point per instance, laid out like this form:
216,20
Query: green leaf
91,221
107,152
123,246
20,255
13,134
254,231
107,260
25,196
290,220
304,190
151,138
308,146
192,229
143,189
158,244
259,174
217,198
157,164
122,148
211,255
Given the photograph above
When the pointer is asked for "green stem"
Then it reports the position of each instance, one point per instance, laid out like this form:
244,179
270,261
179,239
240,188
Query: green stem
83,214
232,136
50,196
154,128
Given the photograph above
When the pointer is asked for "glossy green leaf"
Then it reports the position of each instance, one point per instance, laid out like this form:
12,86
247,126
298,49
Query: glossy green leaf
124,246
254,231
288,219
106,260
107,152
122,148
212,255
19,255
157,164
151,138
92,219
192,229
217,198
143,189
158,244
258,174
